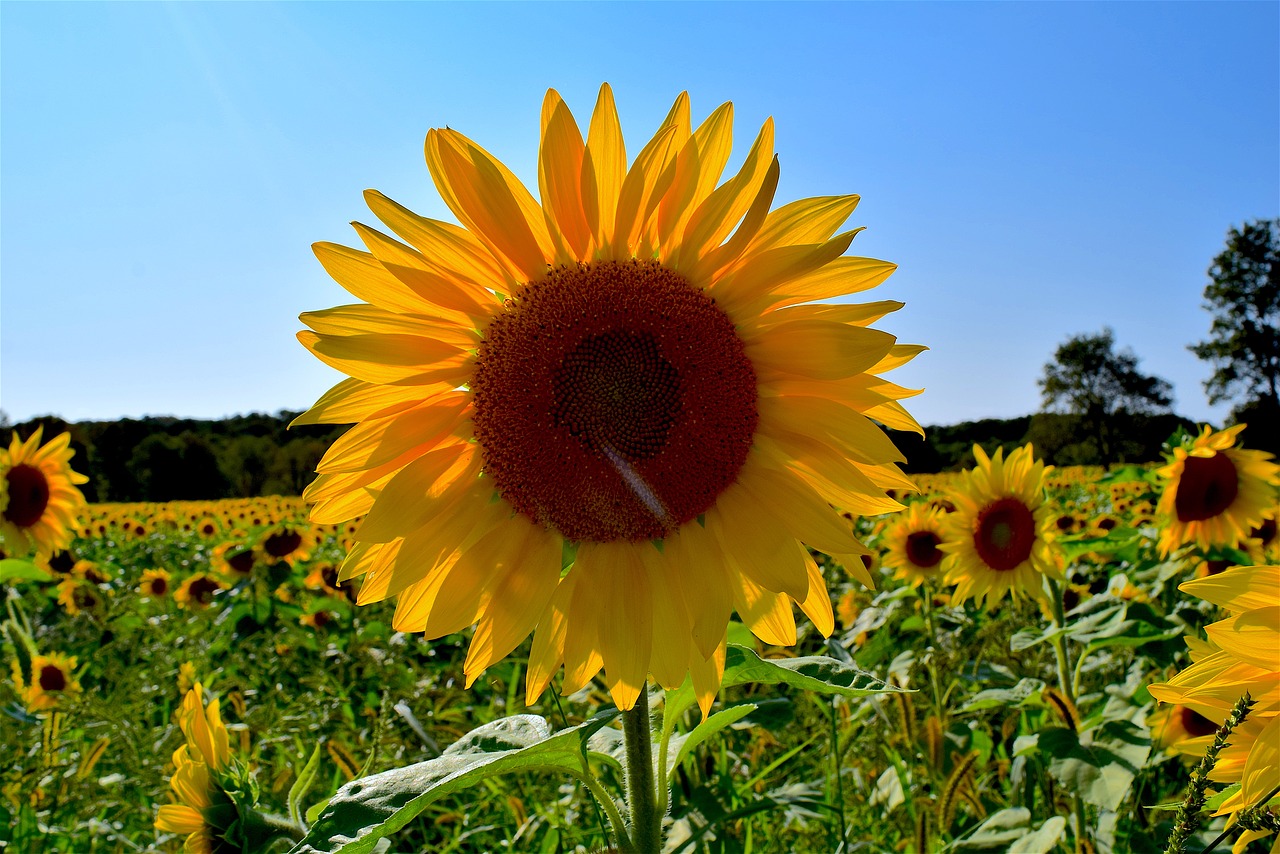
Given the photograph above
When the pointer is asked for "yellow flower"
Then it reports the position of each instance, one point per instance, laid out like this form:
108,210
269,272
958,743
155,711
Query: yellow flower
52,680
233,559
43,505
997,540
1216,491
203,809
78,596
1182,729
911,544
1242,655
154,583
286,541
634,366
197,592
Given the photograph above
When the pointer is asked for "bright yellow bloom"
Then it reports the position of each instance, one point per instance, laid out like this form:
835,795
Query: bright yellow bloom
43,505
911,544
998,539
76,596
1241,655
1217,491
52,680
203,809
154,583
285,541
635,366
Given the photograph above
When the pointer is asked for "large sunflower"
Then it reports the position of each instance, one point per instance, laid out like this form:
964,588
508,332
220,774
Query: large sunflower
1216,491
613,416
997,540
44,505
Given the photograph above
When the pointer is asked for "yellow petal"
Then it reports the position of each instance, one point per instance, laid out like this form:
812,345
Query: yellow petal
1252,637
818,349
697,171
700,577
1238,589
604,167
765,280
355,400
788,500
707,675
625,626
817,604
767,614
395,358
711,223
752,540
547,653
560,176
372,443
669,659
413,497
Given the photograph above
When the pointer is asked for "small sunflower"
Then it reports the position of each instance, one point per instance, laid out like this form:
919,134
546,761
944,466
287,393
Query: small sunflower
78,596
53,681
1181,729
233,559
43,504
286,541
998,540
1242,654
197,592
154,583
634,374
911,544
1216,491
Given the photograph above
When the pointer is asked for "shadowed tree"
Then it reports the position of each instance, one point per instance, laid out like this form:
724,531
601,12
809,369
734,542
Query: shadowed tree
1103,390
1243,296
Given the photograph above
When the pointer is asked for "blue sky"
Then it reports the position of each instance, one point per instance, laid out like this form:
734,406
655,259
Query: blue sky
1035,169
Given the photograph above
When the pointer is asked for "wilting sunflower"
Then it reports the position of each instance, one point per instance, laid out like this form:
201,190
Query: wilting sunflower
197,592
52,681
1242,655
911,544
203,810
997,541
1216,491
154,583
44,505
634,367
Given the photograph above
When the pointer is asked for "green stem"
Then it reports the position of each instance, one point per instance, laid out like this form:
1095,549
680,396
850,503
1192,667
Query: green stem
1060,643
611,808
664,785
835,764
261,829
642,802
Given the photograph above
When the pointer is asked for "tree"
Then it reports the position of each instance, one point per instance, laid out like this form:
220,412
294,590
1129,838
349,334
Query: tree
1243,296
1103,390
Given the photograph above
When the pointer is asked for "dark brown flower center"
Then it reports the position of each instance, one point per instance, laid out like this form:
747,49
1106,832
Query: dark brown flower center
159,586
62,561
922,549
1207,487
28,495
1195,723
241,562
613,401
202,589
52,678
1266,532
282,544
1005,533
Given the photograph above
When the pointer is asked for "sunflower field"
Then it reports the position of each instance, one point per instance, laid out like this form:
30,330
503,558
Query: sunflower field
616,556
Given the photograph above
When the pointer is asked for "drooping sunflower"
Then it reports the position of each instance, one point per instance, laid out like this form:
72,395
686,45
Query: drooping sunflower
1216,491
635,368
911,544
53,680
998,539
43,508
203,810
1242,654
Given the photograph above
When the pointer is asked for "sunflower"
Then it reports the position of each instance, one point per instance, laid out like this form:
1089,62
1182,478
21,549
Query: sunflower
53,680
1242,654
154,583
1216,491
233,559
911,544
197,592
203,810
286,541
998,539
78,596
1181,729
43,504
611,417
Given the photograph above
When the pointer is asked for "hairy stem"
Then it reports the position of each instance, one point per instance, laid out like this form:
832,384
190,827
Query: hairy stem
642,801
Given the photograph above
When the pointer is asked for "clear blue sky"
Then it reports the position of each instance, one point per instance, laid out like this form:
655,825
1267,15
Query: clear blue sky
1035,169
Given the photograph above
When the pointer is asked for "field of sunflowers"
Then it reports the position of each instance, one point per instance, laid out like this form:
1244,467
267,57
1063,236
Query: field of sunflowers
1050,708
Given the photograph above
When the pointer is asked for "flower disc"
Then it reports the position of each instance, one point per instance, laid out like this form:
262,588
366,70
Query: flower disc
28,495
613,401
1005,533
1208,487
922,549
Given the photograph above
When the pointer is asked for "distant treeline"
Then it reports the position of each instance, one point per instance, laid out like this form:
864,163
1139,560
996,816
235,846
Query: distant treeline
166,459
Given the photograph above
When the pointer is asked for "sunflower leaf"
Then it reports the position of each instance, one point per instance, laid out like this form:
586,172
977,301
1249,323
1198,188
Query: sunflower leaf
366,810
13,569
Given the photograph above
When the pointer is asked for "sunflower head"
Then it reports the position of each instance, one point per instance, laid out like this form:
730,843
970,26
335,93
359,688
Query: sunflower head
78,596
234,559
912,544
286,542
155,583
42,504
613,415
52,681
999,539
196,593
1215,491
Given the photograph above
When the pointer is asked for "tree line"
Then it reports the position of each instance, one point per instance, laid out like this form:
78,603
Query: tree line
1098,407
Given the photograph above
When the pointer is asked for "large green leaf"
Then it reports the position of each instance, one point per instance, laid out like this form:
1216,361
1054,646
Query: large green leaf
366,810
1099,765
13,569
1026,690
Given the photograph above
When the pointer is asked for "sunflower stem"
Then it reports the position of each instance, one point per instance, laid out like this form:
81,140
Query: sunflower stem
642,801
1060,652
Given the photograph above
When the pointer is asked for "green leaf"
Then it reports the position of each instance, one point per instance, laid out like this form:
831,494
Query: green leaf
706,729
366,810
1099,765
1018,695
998,830
300,785
1042,840
13,569
817,673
